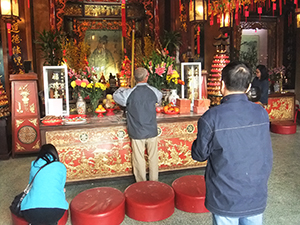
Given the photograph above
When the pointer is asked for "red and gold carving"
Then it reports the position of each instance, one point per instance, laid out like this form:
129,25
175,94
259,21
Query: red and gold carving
281,108
106,151
24,100
83,25
25,113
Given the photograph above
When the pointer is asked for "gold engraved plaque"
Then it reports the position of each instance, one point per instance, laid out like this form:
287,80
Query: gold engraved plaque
27,135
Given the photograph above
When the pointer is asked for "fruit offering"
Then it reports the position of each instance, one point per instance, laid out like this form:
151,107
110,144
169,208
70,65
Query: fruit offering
100,109
108,102
169,109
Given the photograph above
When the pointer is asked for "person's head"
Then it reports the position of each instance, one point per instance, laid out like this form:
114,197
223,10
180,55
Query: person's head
262,72
48,153
102,42
141,75
236,77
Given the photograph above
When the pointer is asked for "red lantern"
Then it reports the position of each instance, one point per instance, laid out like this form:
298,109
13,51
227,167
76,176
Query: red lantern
259,11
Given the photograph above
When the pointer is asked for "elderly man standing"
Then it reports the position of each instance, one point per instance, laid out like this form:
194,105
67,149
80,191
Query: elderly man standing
141,123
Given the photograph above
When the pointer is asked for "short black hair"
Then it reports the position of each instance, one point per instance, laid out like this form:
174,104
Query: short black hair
263,71
236,76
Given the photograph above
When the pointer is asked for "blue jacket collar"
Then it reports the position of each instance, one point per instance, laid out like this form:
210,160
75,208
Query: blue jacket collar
234,97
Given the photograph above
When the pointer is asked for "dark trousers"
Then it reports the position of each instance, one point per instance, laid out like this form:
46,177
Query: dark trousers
43,216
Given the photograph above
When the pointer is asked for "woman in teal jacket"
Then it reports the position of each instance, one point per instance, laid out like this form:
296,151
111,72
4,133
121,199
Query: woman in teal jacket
46,202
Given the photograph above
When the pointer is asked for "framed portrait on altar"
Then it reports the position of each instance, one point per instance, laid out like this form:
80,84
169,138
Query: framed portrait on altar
106,51
56,91
192,76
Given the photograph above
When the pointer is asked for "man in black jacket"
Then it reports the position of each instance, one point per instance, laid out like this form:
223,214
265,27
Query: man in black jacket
141,123
235,140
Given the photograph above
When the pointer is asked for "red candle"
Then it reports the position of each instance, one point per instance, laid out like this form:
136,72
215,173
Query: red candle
198,40
8,26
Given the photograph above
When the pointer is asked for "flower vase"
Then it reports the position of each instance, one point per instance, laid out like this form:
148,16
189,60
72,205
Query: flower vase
81,106
173,96
165,94
94,103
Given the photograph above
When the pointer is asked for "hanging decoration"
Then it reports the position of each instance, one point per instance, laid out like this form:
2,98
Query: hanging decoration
237,8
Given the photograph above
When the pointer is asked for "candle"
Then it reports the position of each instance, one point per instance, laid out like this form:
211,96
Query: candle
198,41
132,59
8,27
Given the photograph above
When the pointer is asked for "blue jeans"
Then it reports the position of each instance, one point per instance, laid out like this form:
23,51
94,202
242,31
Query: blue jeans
251,220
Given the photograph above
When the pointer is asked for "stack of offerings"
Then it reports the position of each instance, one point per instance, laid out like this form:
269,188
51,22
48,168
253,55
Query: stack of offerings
184,105
221,59
201,106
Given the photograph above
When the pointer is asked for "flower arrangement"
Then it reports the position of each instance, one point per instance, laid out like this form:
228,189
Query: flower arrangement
161,73
276,74
86,83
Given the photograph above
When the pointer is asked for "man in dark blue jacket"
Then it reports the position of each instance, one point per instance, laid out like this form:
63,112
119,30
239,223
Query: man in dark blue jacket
235,140
141,123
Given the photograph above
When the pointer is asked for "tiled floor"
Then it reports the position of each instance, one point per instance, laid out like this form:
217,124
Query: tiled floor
284,186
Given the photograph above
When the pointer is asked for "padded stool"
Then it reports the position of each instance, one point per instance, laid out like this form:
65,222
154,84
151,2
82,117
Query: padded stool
190,193
102,205
21,221
285,126
149,201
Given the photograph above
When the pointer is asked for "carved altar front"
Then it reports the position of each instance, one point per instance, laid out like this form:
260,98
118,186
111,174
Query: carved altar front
101,149
281,106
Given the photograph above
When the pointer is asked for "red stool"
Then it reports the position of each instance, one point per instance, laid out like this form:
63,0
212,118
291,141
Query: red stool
149,201
285,126
21,221
102,205
190,193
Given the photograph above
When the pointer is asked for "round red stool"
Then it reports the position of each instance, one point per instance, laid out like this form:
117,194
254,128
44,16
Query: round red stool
284,127
102,205
190,193
21,221
149,201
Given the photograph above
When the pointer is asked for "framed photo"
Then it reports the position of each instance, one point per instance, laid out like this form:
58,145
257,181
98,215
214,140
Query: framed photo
56,91
106,51
191,75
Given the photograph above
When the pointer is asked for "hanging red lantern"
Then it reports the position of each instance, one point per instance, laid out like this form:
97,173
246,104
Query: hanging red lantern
296,3
259,11
246,15
274,7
